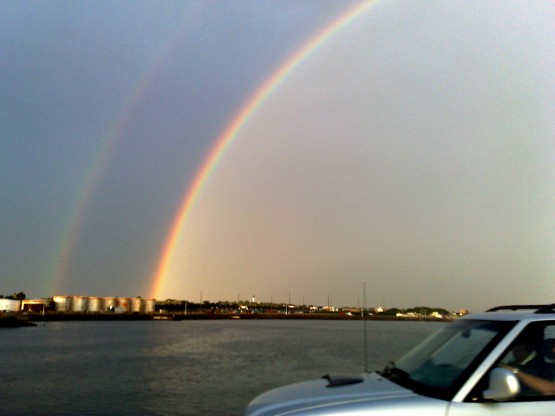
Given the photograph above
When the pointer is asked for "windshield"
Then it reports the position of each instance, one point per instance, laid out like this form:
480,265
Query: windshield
438,365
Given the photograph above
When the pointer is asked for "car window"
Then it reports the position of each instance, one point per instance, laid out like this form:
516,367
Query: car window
532,358
437,366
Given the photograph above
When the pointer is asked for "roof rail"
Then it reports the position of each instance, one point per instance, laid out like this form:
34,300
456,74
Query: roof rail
537,308
547,309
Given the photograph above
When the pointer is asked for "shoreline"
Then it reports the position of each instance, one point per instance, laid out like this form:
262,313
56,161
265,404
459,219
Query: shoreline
211,316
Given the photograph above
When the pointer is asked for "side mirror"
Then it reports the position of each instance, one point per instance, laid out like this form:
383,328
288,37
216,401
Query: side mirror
503,385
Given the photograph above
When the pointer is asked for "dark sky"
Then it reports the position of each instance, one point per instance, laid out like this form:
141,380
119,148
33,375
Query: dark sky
412,150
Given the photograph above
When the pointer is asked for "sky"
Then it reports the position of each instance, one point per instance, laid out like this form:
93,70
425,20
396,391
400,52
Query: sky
283,150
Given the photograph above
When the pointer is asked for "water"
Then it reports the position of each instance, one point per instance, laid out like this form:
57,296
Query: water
182,368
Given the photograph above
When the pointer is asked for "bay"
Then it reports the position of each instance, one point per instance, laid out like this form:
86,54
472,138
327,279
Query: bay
182,367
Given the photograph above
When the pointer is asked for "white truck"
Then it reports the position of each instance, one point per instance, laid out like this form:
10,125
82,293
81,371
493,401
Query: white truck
500,362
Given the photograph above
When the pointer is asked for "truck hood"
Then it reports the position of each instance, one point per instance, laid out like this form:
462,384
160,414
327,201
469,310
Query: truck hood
322,395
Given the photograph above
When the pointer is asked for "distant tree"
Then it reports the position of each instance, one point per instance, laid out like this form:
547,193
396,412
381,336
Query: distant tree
19,296
426,311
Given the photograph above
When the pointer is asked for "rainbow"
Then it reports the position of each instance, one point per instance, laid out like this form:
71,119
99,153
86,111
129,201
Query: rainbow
100,161
230,133
59,269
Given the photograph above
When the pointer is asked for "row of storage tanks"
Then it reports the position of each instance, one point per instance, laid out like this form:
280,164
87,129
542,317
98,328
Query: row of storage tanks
103,304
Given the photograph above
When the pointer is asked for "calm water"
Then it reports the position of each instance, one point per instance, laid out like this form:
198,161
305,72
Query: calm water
181,368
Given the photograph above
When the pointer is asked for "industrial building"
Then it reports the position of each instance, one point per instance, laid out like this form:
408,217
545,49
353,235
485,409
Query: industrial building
36,305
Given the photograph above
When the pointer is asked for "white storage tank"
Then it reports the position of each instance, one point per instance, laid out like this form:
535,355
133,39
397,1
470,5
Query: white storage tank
135,305
122,305
61,303
147,305
10,305
78,304
108,304
95,304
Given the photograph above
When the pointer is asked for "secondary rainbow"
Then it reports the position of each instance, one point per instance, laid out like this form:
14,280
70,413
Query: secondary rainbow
231,131
114,133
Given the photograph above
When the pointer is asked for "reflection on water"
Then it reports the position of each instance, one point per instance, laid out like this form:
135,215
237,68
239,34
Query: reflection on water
182,368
